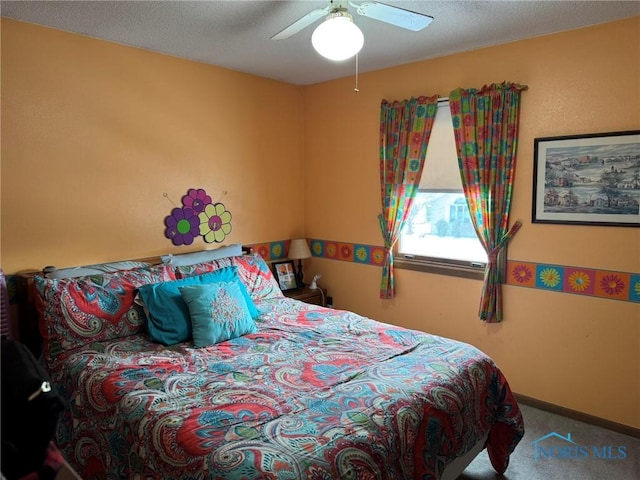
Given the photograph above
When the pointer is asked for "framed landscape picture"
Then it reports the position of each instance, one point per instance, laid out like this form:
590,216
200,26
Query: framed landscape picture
591,179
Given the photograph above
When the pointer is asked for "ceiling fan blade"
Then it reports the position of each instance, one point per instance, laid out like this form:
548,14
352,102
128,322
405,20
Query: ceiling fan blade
394,15
301,23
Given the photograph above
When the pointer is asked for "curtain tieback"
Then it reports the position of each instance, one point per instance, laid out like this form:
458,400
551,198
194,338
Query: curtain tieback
389,253
493,254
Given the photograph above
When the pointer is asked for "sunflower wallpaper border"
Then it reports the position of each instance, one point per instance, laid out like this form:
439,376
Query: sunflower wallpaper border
590,282
614,285
348,252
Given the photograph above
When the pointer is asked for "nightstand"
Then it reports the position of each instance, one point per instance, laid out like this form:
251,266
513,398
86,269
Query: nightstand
307,295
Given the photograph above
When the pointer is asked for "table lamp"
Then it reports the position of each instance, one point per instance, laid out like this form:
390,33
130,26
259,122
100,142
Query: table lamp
298,250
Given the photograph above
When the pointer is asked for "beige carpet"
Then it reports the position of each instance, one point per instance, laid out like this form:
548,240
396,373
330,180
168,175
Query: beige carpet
585,458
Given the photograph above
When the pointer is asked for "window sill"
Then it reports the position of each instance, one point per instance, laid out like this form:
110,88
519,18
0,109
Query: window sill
440,268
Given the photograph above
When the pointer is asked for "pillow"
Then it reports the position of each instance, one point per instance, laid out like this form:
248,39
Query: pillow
168,315
253,271
97,269
218,312
76,311
203,256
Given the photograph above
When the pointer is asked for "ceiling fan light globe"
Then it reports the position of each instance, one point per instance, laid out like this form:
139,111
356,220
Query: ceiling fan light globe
337,38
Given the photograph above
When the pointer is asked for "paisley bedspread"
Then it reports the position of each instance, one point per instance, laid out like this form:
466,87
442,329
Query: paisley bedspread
314,394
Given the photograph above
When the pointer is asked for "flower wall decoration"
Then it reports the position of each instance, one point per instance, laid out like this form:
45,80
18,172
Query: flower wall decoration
196,200
182,226
215,223
198,216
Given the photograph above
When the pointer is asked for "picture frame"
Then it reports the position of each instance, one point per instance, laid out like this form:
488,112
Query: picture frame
590,179
285,274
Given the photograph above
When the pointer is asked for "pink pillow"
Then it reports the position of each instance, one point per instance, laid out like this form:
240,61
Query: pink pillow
252,270
77,311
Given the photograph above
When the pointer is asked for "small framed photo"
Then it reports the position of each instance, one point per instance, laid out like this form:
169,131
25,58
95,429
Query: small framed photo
591,179
286,275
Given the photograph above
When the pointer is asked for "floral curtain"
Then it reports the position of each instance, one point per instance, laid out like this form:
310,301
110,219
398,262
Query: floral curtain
404,133
485,125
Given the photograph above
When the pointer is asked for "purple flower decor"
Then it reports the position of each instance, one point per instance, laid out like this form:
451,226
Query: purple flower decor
197,216
196,199
182,226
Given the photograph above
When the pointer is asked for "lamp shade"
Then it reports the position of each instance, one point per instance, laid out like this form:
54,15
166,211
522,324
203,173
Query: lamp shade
337,38
299,249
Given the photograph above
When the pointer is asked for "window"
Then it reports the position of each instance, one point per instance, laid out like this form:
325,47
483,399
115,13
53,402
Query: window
438,235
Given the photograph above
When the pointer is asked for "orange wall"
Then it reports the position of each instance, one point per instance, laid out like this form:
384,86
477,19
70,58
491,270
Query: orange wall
94,134
581,353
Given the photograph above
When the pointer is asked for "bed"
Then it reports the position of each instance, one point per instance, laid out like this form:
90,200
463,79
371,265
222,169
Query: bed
299,392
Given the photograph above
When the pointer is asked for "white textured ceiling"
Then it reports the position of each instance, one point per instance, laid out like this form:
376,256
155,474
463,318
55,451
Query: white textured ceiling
236,34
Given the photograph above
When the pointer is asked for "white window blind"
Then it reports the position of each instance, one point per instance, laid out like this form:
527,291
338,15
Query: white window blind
441,163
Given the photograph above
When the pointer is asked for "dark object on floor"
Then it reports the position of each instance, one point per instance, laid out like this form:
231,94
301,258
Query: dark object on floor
30,411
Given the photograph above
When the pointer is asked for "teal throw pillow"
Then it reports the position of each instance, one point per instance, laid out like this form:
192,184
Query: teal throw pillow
168,320
218,311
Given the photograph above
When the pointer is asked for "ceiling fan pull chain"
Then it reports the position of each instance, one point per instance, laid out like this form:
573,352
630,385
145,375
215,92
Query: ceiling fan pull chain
357,90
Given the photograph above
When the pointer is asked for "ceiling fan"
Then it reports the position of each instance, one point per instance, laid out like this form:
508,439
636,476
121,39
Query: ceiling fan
397,16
